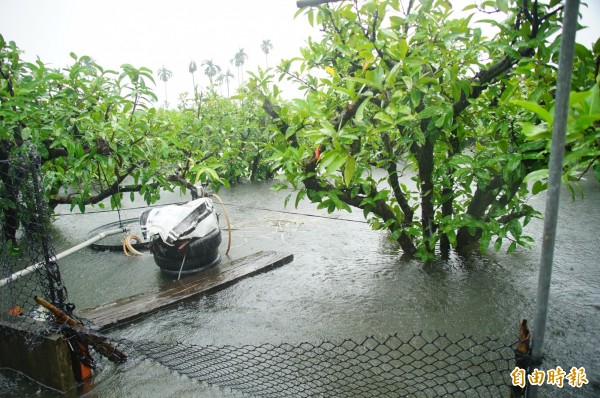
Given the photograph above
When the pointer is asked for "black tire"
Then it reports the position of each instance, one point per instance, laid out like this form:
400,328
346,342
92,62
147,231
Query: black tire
201,253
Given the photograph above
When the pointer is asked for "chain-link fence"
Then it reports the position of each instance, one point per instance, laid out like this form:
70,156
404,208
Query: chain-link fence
33,297
416,365
28,266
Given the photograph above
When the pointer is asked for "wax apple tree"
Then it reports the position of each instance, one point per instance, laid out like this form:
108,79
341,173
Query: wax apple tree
442,103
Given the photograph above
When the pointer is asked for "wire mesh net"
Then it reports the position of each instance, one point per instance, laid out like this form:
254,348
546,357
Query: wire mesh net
33,296
417,365
28,266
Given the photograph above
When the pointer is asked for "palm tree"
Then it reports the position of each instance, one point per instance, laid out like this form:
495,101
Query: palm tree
210,69
266,47
220,79
224,77
164,74
238,60
193,68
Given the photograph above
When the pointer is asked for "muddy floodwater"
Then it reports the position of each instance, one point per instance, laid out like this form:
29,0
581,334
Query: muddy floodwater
346,281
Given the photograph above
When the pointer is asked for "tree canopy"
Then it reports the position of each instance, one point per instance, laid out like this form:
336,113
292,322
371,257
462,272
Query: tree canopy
435,124
422,93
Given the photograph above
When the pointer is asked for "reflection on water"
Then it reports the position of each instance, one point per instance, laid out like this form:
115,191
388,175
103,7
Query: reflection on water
346,281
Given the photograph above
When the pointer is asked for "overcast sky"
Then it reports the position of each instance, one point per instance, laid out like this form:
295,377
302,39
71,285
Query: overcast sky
153,33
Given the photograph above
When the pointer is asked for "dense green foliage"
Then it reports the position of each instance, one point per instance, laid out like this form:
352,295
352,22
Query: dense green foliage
231,132
99,136
93,127
450,116
437,132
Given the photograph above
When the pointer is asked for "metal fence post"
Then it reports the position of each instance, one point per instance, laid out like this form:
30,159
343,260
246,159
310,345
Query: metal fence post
565,69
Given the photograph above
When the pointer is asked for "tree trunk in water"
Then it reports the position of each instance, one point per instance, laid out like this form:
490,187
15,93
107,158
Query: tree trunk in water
255,161
446,211
425,177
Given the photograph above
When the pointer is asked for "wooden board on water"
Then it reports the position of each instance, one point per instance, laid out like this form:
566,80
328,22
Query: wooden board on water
134,307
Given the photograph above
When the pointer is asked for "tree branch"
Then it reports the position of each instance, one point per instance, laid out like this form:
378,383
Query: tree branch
512,216
100,196
392,170
590,164
381,208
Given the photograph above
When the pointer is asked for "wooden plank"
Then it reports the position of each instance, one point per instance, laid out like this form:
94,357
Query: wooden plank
131,308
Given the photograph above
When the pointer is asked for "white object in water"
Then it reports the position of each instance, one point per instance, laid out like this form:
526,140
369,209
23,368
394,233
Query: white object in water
194,219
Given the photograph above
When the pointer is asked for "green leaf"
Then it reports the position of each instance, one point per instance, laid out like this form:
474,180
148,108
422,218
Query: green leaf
26,133
498,244
537,94
535,108
349,170
537,175
384,117
389,33
205,170
358,118
484,241
538,187
536,132
513,163
593,100
336,164
509,91
429,112
503,145
512,247
403,45
426,5
338,204
279,186
502,5
597,171
287,200
597,47
301,194
326,158
415,97
128,106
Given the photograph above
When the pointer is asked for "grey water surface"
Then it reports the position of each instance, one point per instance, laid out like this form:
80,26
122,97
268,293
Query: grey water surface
346,281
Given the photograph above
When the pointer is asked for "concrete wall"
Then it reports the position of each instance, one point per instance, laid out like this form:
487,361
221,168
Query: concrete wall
48,363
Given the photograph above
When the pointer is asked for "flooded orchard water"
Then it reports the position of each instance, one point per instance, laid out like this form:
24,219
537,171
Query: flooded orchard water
346,281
